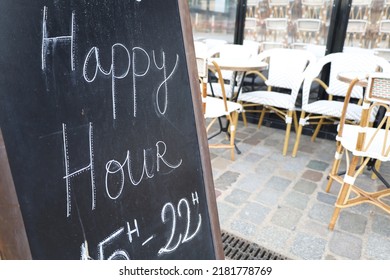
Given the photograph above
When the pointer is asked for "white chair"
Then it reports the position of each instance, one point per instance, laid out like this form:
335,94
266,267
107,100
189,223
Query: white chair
252,8
308,31
321,112
276,30
279,8
251,28
216,108
314,9
363,143
285,71
356,33
360,9
383,39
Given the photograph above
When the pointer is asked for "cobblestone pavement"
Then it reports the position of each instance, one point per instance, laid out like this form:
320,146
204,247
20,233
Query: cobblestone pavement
280,202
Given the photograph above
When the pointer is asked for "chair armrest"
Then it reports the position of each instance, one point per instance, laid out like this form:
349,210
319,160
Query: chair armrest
321,83
259,74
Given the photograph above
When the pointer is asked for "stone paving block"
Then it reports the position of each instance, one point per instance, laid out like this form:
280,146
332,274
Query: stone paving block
250,183
308,247
262,150
225,211
378,247
273,238
318,165
226,180
253,158
278,183
321,213
243,167
261,135
252,141
220,163
286,217
254,212
346,245
381,225
308,148
237,197
334,189
286,165
278,157
265,167
248,129
311,226
352,222
364,209
243,228
296,200
326,198
268,196
312,175
243,147
305,186
241,135
272,142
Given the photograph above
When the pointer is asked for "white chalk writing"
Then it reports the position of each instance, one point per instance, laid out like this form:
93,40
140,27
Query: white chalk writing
114,167
89,166
47,41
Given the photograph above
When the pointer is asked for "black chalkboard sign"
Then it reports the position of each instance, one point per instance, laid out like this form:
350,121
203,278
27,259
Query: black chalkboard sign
102,124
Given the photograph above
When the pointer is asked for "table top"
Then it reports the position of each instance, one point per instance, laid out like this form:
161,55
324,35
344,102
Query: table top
347,77
241,65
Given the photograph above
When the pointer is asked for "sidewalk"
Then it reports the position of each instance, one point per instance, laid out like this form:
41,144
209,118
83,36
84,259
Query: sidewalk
280,202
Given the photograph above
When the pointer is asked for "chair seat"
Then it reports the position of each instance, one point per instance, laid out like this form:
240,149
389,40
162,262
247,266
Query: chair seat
270,98
217,90
334,109
215,107
374,150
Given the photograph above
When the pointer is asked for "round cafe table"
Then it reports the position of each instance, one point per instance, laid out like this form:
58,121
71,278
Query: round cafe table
349,76
239,67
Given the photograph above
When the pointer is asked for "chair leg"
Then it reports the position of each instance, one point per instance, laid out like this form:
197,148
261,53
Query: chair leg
298,137
344,193
377,167
288,129
233,128
335,166
295,118
318,127
261,117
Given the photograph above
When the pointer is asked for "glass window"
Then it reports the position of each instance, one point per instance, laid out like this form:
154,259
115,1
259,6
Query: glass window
369,27
213,19
288,24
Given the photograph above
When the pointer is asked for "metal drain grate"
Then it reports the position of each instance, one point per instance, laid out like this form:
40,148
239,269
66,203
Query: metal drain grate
236,248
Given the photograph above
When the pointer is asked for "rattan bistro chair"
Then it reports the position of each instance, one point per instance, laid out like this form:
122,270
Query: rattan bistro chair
215,108
321,112
285,72
364,143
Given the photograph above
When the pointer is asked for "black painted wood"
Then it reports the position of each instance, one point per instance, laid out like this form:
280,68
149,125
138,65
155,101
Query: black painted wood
99,124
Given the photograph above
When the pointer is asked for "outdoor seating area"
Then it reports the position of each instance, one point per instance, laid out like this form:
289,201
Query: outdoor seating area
280,188
280,202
